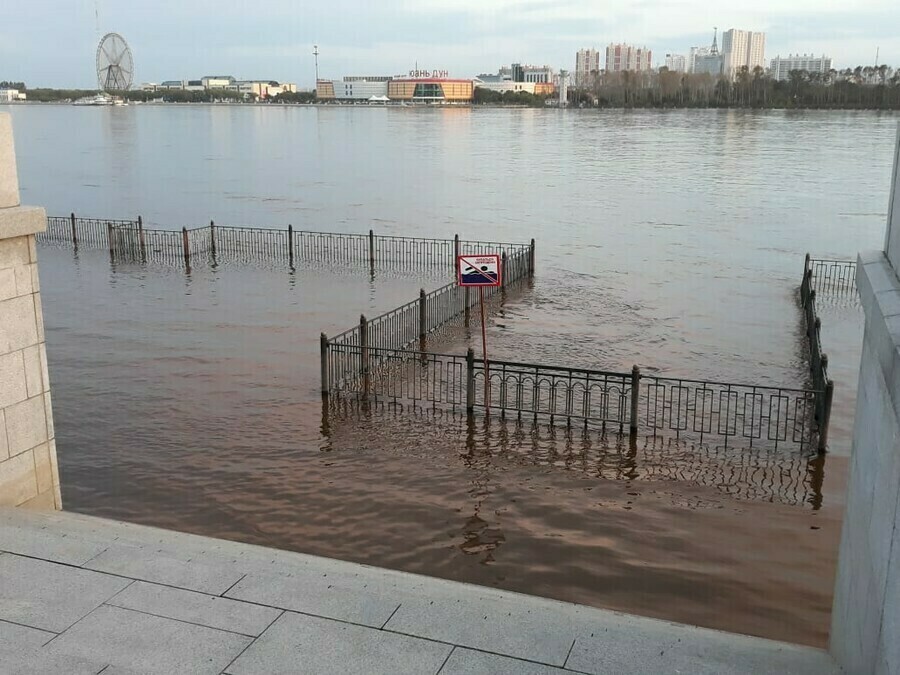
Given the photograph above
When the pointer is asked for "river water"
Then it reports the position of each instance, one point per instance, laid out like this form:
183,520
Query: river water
673,240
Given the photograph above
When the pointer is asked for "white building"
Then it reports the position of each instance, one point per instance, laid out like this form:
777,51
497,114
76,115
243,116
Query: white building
537,74
263,89
742,48
621,57
781,67
10,95
676,63
217,81
587,61
358,90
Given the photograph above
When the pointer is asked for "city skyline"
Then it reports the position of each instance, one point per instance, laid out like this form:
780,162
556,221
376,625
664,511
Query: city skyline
45,39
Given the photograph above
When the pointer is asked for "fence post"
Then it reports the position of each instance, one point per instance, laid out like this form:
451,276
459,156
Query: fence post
74,234
109,239
470,381
531,259
212,237
364,353
141,242
291,245
324,356
826,416
372,249
635,394
423,317
468,311
503,271
185,244
455,251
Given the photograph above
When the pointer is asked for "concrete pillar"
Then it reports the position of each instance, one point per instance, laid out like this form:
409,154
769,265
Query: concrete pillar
865,621
28,471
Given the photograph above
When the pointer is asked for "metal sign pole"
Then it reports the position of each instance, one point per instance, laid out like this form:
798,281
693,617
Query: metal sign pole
487,371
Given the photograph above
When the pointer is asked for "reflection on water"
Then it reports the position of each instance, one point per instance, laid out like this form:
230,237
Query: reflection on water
787,476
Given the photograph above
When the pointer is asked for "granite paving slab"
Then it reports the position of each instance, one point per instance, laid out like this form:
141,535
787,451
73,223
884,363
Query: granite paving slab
296,643
48,595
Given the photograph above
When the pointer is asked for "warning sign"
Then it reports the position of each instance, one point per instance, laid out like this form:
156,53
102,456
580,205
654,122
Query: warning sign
478,270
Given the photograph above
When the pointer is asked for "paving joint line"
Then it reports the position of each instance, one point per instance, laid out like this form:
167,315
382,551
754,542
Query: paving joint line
223,593
25,625
569,653
391,616
170,618
450,653
251,643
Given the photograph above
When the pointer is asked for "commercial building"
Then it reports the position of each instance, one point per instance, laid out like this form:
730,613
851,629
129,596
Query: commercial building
620,57
351,89
676,62
431,90
587,62
742,48
502,86
217,81
10,95
780,68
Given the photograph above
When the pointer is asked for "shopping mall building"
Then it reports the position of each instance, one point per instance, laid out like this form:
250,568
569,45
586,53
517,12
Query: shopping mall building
401,89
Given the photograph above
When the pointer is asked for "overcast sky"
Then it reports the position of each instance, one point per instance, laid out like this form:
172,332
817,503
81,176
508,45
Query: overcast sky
52,42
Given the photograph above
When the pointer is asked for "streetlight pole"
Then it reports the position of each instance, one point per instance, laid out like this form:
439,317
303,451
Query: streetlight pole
316,54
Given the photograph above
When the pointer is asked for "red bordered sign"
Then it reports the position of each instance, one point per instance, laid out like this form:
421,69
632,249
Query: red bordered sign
478,270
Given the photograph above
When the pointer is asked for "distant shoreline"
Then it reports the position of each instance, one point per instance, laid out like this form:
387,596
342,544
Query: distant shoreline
445,106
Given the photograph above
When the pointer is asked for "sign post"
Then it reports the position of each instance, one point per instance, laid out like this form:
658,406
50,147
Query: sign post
480,271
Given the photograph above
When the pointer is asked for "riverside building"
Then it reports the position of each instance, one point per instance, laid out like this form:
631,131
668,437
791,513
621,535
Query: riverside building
620,57
781,67
742,48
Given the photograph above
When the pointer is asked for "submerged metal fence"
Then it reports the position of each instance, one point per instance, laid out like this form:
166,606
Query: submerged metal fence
430,312
130,241
686,409
836,276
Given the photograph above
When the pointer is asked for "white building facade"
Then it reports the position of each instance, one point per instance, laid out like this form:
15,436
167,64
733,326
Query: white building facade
781,67
676,63
620,57
535,74
11,95
358,90
742,48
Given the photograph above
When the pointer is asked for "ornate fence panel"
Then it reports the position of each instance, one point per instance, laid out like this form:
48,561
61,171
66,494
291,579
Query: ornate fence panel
556,393
831,276
700,409
80,232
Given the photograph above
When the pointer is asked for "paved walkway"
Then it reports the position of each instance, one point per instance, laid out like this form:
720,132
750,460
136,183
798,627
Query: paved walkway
86,595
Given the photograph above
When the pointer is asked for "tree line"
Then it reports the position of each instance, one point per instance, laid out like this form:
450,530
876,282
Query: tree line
871,88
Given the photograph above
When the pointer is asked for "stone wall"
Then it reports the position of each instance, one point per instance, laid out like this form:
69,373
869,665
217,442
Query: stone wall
28,471
865,623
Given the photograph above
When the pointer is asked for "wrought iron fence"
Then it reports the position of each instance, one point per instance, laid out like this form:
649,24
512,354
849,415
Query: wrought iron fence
80,232
831,276
129,240
698,410
430,312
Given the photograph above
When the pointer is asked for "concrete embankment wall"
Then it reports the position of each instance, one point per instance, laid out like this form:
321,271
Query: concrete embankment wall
865,630
28,470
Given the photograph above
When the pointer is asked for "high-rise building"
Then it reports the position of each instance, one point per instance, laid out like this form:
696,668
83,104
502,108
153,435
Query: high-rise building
782,67
587,61
621,57
742,48
676,62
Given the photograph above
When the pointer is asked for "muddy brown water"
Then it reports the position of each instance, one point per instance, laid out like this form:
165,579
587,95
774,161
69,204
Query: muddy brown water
670,241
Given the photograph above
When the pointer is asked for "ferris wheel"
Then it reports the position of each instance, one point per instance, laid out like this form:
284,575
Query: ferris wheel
115,66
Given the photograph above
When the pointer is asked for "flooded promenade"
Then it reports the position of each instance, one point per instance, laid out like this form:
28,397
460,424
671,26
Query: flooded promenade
202,393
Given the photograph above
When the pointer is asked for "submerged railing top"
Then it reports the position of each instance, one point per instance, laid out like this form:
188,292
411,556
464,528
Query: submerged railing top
129,240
